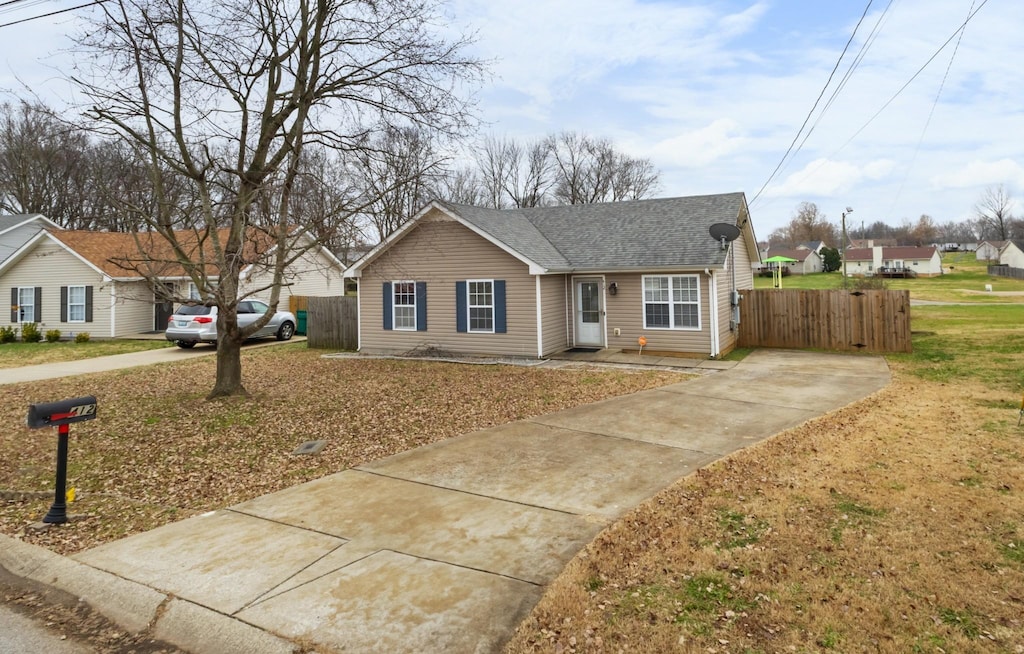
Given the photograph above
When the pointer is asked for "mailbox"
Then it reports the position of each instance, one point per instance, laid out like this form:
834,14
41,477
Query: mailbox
65,412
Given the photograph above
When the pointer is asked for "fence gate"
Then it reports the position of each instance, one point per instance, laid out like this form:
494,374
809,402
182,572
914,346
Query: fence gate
859,321
332,323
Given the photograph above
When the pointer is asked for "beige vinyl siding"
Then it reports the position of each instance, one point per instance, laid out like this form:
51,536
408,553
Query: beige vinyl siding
625,311
50,266
134,308
556,319
312,274
442,253
744,281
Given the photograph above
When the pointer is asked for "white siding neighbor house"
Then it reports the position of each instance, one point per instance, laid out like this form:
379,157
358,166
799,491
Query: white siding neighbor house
1012,254
77,281
877,260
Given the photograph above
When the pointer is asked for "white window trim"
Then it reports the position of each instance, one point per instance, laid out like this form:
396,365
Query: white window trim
394,305
671,303
76,304
470,306
193,291
32,294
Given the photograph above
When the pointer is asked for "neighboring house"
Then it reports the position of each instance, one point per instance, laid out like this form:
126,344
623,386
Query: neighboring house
77,281
989,250
812,245
1012,254
537,281
922,261
17,230
806,260
868,243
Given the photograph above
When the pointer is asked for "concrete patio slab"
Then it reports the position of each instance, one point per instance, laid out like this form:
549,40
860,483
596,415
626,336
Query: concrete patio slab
374,511
392,602
549,466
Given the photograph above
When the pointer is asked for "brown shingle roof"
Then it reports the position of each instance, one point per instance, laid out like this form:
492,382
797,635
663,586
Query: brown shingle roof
121,254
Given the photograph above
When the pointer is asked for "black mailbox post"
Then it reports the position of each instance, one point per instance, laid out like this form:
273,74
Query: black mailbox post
61,415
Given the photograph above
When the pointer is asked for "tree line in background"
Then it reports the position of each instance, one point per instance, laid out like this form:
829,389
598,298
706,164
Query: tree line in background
992,220
83,180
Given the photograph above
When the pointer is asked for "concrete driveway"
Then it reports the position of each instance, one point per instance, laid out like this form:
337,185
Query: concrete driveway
445,548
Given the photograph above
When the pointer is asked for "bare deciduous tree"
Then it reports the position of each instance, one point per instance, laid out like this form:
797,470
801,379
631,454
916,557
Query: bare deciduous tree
807,224
225,96
994,213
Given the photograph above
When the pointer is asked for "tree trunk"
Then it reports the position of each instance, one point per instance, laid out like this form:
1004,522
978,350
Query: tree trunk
229,370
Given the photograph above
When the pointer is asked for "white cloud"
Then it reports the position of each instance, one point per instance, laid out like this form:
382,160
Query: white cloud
824,177
699,147
982,173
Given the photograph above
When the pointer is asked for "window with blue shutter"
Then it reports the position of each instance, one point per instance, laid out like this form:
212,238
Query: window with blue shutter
387,300
480,306
421,306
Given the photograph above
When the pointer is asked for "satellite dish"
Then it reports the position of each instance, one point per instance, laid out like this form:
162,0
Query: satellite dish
724,233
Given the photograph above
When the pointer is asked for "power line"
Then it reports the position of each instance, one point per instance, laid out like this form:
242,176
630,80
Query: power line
53,13
815,106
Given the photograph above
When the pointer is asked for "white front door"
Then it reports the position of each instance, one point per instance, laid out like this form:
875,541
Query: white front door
589,313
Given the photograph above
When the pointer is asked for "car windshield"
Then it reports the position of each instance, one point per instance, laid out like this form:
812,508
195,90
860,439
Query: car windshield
193,310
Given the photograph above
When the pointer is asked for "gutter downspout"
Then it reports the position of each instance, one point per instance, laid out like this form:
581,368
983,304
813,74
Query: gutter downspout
713,306
540,321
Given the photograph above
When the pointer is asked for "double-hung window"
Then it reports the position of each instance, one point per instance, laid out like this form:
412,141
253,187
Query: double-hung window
404,305
671,302
27,304
480,294
76,304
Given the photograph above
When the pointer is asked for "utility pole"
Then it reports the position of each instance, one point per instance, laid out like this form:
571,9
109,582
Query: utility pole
848,210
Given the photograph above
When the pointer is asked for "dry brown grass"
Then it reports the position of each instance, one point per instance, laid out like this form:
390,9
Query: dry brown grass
159,452
893,525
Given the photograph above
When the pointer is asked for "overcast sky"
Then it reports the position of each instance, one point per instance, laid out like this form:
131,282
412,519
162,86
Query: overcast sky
714,92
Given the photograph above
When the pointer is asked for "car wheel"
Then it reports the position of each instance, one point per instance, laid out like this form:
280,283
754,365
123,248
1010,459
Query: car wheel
185,345
285,331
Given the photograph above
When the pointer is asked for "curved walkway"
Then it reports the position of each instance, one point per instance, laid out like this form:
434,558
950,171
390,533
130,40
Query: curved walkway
445,548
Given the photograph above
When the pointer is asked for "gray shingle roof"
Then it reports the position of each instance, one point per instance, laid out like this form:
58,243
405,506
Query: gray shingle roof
6,222
642,234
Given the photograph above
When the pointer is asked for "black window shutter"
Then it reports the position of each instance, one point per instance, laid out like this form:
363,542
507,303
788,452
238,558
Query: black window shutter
388,306
14,305
421,306
499,307
63,303
88,304
38,317
460,307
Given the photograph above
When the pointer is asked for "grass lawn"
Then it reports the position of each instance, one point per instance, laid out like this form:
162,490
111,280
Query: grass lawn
895,524
14,355
159,452
965,281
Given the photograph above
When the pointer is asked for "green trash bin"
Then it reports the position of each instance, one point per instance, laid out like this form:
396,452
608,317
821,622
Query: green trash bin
300,316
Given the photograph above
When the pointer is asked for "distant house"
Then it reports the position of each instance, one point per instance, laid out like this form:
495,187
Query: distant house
1012,254
17,230
989,250
867,243
537,281
921,261
806,260
814,246
79,281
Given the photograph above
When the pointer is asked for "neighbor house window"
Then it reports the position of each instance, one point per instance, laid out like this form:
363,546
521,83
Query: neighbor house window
27,304
193,291
404,305
481,305
76,304
671,302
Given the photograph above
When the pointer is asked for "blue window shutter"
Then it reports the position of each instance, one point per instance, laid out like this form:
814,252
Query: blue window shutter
388,300
88,304
499,307
460,307
39,304
63,303
14,305
421,306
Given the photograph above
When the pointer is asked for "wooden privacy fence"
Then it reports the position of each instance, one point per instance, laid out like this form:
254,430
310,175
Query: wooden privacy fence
860,321
1006,271
332,323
